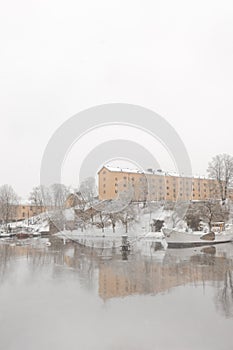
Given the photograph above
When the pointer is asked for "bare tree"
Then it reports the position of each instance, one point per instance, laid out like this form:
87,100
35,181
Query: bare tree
55,196
221,169
8,203
193,217
36,198
88,190
82,219
81,199
144,190
127,216
59,194
113,218
54,199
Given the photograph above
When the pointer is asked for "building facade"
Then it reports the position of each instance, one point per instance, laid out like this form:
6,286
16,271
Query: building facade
26,211
155,185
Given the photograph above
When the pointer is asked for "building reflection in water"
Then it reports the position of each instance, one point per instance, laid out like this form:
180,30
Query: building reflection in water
117,275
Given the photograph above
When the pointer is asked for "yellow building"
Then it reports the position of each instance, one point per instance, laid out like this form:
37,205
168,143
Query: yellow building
26,211
155,185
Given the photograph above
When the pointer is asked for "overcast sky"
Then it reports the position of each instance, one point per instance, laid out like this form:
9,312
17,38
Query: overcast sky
60,57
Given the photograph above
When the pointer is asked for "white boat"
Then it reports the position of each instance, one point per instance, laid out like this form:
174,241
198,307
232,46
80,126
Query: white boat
4,234
36,234
180,239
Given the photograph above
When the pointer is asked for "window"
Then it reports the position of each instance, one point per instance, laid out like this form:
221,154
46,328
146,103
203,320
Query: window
167,188
104,185
104,178
125,177
116,191
23,215
124,185
104,192
115,178
116,185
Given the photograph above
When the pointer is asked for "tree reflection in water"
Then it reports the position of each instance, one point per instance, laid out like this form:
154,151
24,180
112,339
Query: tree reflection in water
117,274
224,297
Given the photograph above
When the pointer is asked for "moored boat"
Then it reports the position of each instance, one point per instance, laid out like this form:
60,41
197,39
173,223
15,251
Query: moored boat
180,239
4,235
23,235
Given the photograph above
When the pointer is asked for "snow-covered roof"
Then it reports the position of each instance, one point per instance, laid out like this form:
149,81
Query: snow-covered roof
150,172
125,170
25,202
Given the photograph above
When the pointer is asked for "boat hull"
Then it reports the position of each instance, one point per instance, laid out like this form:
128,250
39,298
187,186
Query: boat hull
196,243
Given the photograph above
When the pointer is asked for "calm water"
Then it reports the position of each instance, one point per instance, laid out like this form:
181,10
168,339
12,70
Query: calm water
68,297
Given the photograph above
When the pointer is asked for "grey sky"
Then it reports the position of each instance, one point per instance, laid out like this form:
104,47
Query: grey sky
59,57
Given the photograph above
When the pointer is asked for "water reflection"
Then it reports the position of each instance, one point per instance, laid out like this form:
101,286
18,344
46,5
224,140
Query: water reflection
114,274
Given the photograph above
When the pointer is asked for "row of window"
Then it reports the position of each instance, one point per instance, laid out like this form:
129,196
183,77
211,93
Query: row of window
159,198
23,207
160,180
153,186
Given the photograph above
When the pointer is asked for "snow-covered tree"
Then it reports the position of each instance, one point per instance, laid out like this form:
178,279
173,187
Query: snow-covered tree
211,211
